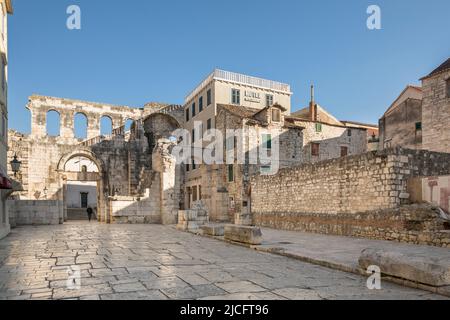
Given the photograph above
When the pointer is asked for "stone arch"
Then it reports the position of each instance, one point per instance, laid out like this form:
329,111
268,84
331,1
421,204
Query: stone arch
75,124
81,152
102,192
109,130
159,125
53,125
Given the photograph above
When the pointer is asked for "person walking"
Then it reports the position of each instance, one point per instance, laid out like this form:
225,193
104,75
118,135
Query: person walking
89,213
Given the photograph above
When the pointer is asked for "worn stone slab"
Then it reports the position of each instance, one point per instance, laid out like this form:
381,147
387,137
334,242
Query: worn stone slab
243,234
215,230
430,269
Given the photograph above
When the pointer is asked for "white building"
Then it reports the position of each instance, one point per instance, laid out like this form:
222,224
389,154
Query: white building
5,183
228,88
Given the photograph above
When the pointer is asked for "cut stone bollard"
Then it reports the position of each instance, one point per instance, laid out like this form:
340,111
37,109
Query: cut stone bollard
216,230
429,269
243,234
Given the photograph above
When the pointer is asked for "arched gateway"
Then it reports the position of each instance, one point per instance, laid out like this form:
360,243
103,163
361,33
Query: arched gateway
90,171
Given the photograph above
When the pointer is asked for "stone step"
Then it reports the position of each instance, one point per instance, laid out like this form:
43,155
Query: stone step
425,265
76,214
243,234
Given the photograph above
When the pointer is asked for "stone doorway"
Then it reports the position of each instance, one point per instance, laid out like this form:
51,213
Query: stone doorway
82,186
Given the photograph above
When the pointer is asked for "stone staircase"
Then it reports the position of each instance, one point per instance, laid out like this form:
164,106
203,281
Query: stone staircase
74,214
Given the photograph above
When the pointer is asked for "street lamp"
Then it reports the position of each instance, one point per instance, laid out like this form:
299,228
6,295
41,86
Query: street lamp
15,165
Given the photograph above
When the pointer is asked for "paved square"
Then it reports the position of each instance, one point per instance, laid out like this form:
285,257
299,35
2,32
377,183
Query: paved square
159,262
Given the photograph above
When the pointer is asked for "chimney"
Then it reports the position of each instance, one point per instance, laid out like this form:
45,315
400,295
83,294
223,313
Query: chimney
312,106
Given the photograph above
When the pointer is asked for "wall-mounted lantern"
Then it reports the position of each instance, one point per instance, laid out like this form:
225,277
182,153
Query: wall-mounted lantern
15,165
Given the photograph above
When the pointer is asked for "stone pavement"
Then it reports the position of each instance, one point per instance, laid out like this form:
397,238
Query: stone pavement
337,252
158,262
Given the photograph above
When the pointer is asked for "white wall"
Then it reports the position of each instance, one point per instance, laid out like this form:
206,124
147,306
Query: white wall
74,190
76,164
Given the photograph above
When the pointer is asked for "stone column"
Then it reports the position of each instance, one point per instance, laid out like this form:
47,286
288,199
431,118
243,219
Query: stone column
93,127
165,164
67,124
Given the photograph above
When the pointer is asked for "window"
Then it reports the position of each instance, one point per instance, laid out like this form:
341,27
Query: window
187,114
448,88
3,129
267,141
208,97
349,132
193,110
230,173
318,127
199,192
200,104
194,194
230,143
418,126
344,151
3,75
193,135
187,167
269,100
200,129
276,115
315,149
208,124
235,96
194,166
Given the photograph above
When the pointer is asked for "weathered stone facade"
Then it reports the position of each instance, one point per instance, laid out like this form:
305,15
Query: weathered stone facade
436,109
322,197
5,10
401,125
332,140
224,188
124,159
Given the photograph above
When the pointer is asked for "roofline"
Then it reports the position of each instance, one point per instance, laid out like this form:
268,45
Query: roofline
431,75
324,123
37,96
375,126
231,77
404,90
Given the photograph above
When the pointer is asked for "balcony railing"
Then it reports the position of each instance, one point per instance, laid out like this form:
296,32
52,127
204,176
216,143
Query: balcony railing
240,79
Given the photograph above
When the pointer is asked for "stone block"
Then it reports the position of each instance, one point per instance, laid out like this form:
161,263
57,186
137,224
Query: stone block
216,230
430,268
243,234
187,226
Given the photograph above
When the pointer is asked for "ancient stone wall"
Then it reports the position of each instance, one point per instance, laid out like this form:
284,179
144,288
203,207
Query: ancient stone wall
355,184
331,140
124,160
436,113
31,212
415,224
399,127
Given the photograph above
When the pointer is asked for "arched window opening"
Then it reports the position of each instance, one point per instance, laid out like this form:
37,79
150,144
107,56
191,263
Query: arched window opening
53,123
106,126
128,125
80,126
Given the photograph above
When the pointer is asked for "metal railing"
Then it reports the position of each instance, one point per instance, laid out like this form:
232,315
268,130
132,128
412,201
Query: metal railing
241,79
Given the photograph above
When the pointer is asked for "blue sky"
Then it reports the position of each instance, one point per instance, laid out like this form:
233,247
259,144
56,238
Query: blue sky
136,51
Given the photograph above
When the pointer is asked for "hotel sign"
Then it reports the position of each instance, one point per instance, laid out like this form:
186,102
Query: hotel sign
252,96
